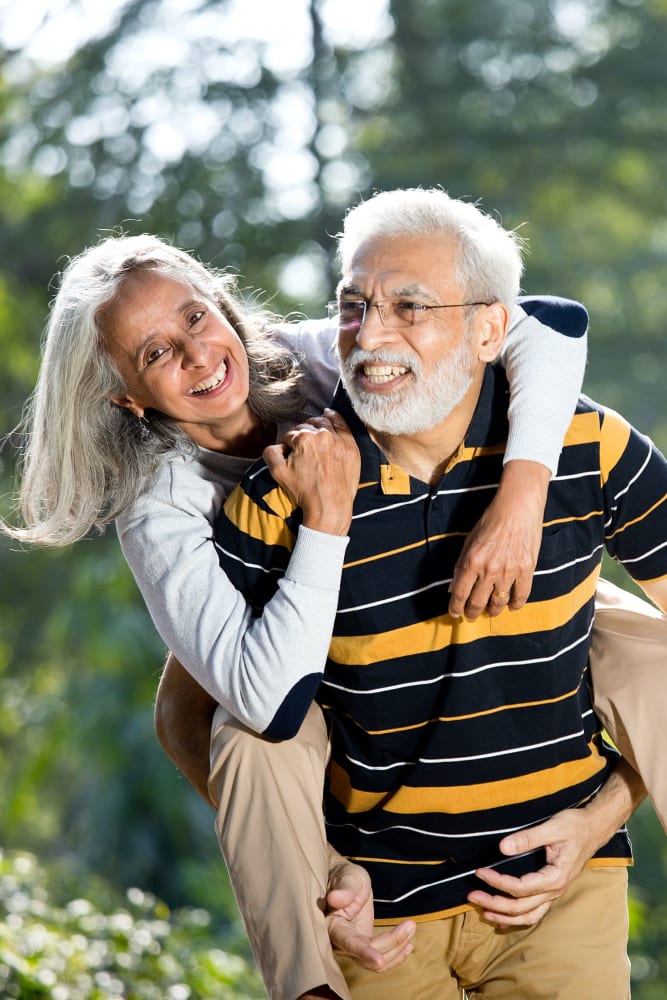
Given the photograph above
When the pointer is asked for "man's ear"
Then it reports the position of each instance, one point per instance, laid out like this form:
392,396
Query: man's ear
494,321
127,403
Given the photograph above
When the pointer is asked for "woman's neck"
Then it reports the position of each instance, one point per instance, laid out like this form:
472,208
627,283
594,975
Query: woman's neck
247,437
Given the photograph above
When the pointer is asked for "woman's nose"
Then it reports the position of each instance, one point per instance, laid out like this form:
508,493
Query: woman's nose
195,353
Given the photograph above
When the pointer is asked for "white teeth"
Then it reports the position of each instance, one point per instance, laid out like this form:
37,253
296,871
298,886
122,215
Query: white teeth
210,383
378,374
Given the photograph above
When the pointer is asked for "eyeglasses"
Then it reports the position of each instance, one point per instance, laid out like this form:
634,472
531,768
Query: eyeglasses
351,313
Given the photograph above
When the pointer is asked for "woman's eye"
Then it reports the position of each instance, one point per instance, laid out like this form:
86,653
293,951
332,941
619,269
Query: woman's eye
155,354
196,317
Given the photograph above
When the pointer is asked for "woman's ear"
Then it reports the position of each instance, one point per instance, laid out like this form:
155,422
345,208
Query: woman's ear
127,403
494,320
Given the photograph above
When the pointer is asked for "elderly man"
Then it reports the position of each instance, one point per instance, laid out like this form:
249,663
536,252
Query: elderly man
466,760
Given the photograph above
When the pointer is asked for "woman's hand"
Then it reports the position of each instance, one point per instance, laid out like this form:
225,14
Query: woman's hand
496,566
317,463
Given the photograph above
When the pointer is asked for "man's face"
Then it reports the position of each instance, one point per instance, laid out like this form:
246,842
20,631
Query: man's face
403,379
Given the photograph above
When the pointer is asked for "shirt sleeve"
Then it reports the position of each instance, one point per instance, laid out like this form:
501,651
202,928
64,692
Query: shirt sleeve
249,664
634,480
545,359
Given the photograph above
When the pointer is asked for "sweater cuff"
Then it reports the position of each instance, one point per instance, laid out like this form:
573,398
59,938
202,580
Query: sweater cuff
317,559
534,437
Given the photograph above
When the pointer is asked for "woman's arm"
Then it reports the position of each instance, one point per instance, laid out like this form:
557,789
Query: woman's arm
249,665
545,359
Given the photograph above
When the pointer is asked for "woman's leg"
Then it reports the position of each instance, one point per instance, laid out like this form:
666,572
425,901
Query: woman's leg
628,661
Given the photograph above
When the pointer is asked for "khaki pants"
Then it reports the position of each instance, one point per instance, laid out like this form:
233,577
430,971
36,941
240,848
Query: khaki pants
577,951
271,830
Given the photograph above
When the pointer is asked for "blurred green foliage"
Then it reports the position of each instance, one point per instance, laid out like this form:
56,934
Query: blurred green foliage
170,119
104,945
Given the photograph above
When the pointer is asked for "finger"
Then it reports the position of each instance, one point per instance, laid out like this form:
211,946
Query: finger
508,906
275,455
390,943
520,590
499,598
347,942
478,600
398,946
519,920
527,885
347,901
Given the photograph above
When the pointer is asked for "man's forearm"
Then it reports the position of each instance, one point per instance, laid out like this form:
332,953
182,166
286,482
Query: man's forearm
615,803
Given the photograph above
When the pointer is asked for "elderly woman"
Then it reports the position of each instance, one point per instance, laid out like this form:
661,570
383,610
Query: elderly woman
157,390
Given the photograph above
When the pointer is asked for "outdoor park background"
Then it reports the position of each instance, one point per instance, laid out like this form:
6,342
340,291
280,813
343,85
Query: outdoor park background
242,130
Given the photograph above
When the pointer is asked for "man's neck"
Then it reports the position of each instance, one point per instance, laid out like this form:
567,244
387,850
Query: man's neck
426,454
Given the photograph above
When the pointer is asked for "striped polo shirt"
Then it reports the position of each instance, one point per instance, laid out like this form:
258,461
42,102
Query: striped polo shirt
449,734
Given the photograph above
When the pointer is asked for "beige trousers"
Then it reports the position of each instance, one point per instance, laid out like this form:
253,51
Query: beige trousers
520,963
269,820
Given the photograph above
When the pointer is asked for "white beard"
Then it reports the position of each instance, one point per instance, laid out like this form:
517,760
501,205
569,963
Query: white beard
417,405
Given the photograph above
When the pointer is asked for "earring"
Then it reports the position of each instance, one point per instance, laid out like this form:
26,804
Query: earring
145,430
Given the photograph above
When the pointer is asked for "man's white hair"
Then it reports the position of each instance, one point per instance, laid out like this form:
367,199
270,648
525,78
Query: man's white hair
489,258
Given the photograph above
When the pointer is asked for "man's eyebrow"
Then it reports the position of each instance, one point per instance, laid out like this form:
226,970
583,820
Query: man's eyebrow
413,289
349,288
416,289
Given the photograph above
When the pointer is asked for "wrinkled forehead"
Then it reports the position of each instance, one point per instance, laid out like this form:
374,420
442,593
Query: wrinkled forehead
399,266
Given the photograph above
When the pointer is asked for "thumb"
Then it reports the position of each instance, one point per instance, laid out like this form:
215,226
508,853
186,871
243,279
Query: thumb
524,841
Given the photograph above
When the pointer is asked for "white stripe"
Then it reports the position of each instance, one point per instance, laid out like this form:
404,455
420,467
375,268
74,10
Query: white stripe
645,555
394,506
235,558
447,836
396,597
453,878
636,475
448,580
577,475
471,757
461,673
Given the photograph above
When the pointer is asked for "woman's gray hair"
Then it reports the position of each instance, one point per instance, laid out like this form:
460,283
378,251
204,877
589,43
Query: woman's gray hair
489,258
83,459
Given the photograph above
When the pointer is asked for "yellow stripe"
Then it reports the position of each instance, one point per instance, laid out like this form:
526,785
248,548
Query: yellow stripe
405,548
641,517
459,799
270,529
466,716
584,429
571,520
438,633
613,442
393,861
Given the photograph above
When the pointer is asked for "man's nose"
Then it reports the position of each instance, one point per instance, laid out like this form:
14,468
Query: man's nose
372,331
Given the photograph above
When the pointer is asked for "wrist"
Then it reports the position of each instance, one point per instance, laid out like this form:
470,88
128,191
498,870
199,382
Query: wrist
525,476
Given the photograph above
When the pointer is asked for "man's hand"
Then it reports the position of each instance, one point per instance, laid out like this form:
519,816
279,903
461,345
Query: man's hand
570,839
499,556
350,920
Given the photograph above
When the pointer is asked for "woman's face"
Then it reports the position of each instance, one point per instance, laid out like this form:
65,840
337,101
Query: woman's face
179,355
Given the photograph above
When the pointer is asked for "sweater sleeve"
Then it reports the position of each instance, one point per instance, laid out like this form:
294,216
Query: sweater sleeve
545,358
248,664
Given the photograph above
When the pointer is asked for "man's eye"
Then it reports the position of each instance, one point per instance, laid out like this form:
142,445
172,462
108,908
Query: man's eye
352,307
409,308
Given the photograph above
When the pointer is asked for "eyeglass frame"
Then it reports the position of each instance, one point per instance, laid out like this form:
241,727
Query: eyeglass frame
334,309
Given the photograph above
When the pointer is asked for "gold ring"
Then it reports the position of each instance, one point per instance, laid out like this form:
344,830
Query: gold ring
502,594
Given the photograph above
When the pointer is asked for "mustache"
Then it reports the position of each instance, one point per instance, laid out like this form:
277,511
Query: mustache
358,357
